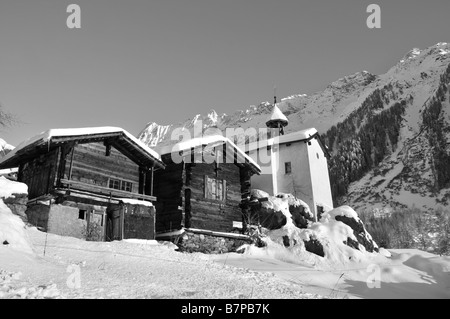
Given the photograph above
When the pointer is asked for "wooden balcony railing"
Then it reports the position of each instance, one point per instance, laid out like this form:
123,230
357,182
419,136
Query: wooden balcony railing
115,193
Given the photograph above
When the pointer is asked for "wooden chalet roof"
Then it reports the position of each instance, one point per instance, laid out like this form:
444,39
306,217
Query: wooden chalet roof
116,137
209,142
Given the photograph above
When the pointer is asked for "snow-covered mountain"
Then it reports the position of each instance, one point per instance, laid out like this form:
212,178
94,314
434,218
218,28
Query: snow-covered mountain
5,148
318,110
388,134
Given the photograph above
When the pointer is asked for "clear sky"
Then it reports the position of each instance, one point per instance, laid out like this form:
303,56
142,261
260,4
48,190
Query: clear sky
138,61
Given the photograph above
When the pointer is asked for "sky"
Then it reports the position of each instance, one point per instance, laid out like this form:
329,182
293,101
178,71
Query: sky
139,61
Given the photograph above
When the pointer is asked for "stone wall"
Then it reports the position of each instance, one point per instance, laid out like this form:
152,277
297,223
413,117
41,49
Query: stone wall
194,242
37,215
65,221
18,205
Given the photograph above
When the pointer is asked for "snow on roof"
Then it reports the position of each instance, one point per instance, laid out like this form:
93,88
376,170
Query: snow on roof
46,136
277,116
282,139
135,202
210,140
7,171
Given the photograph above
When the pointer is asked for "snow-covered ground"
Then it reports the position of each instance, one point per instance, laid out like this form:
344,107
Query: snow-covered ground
408,274
34,264
73,268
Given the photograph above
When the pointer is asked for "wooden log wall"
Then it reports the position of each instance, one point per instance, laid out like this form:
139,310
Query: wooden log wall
215,214
245,176
91,165
39,174
167,188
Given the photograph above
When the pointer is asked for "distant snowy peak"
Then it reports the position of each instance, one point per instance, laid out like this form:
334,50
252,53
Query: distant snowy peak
5,148
352,82
411,54
323,109
441,48
213,117
153,133
356,77
295,96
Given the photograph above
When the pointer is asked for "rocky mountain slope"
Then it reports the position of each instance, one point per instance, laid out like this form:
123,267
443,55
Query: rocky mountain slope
388,134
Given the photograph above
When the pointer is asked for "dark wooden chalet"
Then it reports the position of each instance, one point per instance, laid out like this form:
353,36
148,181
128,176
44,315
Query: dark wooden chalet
205,185
76,177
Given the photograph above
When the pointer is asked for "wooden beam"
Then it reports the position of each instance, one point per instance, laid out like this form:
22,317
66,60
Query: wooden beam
144,178
152,171
122,223
71,163
105,190
20,173
218,234
57,163
187,208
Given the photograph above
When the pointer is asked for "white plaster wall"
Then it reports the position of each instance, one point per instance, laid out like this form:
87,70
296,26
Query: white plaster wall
264,181
298,182
275,162
309,179
319,176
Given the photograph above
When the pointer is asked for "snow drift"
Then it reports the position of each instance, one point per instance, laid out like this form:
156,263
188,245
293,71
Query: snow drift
12,228
338,238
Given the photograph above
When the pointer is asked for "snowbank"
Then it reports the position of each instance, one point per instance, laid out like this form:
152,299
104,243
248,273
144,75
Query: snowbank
8,188
12,288
339,238
341,211
12,231
289,244
280,210
12,228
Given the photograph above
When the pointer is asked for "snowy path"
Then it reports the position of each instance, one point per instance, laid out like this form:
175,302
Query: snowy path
134,270
408,274
147,269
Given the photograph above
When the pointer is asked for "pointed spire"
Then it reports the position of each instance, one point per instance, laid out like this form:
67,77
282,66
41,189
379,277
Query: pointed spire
277,118
274,95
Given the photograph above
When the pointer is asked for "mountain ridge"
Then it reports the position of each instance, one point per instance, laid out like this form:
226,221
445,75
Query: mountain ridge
371,124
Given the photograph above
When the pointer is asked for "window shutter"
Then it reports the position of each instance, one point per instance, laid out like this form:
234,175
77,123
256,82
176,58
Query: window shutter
219,192
208,191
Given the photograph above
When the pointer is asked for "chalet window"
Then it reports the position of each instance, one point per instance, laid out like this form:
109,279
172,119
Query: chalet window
287,168
114,183
82,214
120,185
126,186
215,189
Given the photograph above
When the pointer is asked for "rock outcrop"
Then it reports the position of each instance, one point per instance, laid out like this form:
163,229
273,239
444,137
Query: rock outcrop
288,222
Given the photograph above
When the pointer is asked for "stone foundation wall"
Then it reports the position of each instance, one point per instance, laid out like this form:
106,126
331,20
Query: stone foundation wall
18,205
64,221
193,242
37,215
